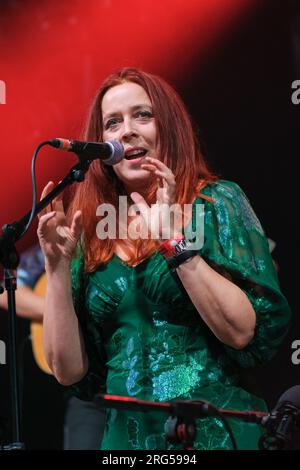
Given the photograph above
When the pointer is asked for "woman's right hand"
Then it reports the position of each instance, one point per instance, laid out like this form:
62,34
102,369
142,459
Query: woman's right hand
58,240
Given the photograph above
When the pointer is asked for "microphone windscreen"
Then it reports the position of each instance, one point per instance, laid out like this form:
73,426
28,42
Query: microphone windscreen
292,395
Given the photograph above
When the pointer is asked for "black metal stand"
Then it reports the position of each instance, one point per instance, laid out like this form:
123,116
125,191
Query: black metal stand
181,427
9,258
10,285
181,430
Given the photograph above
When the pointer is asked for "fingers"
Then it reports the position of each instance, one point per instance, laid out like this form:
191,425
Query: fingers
148,166
44,219
139,200
161,170
140,203
159,164
160,183
55,205
47,189
76,226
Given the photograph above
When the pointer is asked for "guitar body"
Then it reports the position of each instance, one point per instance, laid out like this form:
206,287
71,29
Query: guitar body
36,331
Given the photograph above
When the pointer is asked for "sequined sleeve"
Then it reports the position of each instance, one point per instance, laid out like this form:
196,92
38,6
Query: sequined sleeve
94,380
235,245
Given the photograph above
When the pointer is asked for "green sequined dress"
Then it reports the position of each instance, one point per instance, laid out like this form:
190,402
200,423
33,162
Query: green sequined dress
145,339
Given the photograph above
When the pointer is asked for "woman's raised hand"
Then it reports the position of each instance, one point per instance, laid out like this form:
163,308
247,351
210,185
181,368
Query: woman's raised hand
58,240
159,219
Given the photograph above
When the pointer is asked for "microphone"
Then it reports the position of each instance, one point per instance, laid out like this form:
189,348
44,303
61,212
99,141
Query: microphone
110,152
282,422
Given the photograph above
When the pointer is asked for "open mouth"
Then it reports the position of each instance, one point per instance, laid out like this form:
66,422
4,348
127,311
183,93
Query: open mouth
135,154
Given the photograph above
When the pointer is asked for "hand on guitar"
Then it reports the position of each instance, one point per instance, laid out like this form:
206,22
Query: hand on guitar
58,239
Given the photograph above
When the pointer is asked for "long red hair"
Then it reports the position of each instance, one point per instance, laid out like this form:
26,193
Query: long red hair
179,150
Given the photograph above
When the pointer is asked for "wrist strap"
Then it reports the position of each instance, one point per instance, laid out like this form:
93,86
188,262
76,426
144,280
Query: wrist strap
176,261
174,246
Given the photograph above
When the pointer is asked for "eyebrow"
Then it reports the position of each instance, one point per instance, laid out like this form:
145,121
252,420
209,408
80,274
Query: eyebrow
133,108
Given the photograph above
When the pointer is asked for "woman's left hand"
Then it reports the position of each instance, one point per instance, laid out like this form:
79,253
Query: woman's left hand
160,222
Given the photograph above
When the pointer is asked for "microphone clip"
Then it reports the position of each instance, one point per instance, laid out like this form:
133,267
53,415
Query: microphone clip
280,427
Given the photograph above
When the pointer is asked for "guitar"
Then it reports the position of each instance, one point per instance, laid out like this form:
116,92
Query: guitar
36,331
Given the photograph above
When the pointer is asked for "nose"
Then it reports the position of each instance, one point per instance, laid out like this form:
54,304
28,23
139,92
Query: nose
128,130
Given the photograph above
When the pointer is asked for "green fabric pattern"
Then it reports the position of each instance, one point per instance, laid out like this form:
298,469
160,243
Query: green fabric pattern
145,339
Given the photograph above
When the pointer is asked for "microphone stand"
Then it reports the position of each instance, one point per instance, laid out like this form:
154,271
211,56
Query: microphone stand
181,426
9,258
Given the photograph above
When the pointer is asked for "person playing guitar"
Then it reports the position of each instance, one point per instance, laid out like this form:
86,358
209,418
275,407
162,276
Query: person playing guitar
84,421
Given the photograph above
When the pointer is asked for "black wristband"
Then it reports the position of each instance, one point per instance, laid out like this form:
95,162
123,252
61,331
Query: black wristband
175,261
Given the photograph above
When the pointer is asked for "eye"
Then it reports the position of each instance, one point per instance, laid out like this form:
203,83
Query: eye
144,114
111,123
